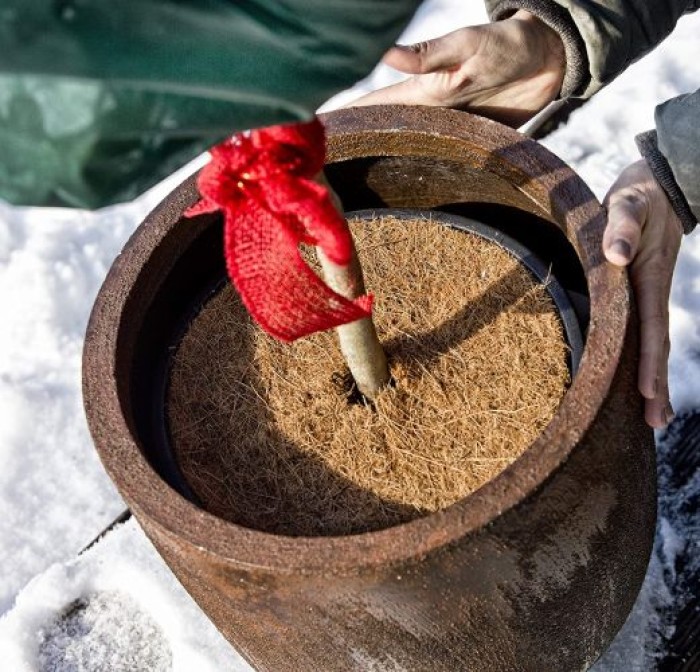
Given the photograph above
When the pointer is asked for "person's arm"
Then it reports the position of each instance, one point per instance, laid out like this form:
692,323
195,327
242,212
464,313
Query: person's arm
601,38
533,52
101,99
649,207
656,199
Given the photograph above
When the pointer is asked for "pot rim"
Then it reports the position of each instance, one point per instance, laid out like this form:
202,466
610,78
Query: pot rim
353,133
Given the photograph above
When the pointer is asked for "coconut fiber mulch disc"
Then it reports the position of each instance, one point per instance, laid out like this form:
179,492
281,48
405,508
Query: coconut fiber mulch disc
271,435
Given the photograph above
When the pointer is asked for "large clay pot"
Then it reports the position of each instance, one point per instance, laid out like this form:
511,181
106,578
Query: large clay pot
537,570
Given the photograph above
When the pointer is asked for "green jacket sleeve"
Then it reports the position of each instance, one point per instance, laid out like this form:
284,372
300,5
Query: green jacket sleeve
601,38
100,99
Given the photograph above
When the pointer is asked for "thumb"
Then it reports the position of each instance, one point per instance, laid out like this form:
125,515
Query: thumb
442,53
626,217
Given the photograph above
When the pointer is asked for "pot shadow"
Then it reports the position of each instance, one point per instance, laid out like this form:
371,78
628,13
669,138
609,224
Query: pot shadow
417,181
570,192
230,453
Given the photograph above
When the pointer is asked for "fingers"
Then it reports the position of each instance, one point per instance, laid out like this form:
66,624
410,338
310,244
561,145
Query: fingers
626,215
651,281
658,411
442,53
407,92
503,70
642,232
652,293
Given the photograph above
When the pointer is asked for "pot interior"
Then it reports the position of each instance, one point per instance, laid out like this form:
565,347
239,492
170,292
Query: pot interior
199,272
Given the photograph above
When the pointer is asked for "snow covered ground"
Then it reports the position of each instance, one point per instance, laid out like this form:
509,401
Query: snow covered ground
118,600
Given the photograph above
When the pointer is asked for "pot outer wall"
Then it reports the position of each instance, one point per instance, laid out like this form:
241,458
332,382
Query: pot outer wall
536,571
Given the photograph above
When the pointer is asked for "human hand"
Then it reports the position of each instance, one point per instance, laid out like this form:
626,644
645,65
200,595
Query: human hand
644,233
507,70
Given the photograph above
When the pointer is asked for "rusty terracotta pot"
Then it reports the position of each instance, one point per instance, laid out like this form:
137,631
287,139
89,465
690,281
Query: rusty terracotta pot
535,571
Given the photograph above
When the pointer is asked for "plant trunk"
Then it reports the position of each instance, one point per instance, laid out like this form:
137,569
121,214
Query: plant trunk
359,342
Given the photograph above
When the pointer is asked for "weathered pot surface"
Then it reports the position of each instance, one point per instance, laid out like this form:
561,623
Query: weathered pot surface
537,570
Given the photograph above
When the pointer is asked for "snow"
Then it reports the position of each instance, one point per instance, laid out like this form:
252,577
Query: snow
54,493
131,604
104,630
60,610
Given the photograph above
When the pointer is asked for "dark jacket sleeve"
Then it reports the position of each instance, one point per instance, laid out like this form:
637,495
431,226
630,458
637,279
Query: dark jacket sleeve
101,99
601,37
673,153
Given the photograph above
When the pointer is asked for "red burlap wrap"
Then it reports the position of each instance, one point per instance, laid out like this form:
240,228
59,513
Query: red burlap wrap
263,182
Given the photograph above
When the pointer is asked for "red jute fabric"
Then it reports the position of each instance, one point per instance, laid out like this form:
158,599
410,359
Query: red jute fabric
263,182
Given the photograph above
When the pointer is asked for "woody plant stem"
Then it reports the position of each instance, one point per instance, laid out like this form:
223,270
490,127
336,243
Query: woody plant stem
359,342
